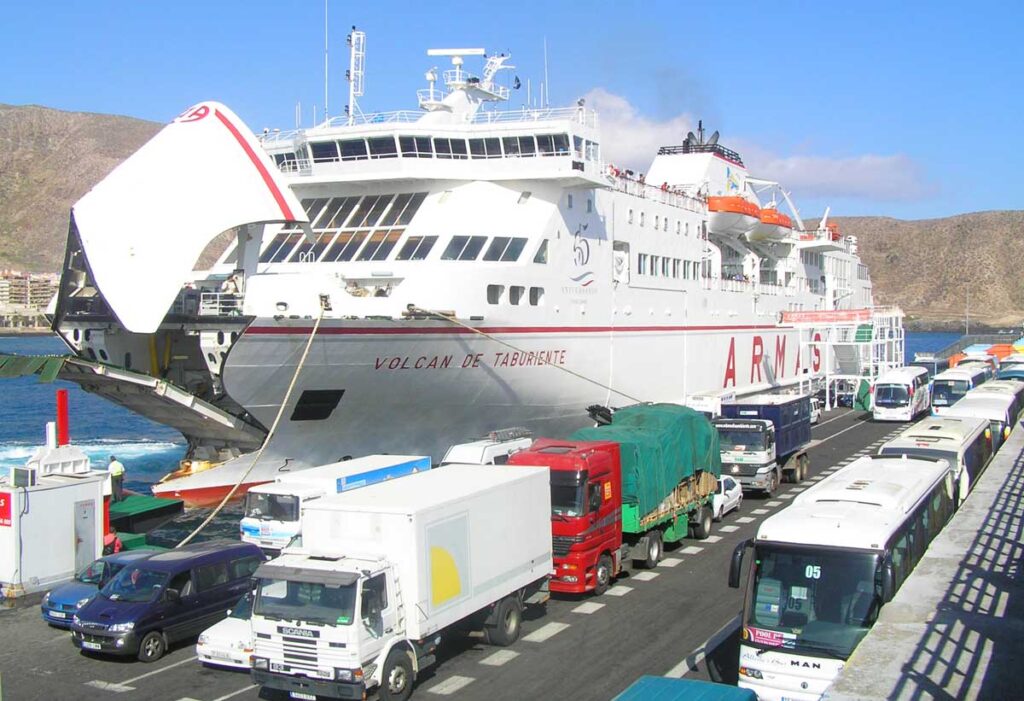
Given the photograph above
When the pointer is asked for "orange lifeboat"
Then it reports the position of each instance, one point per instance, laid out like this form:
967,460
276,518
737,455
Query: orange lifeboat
773,226
732,216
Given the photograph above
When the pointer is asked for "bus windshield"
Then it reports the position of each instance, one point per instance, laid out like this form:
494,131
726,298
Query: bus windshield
741,440
891,395
946,392
812,601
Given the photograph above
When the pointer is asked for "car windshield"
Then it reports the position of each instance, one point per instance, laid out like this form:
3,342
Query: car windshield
740,440
891,395
135,584
305,601
97,573
945,392
272,507
567,493
812,601
243,609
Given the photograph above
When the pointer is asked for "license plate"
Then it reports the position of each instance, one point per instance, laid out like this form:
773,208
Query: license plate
58,614
300,695
90,646
265,529
219,655
276,667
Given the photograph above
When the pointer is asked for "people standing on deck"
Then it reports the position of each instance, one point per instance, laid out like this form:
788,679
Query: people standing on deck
230,286
116,470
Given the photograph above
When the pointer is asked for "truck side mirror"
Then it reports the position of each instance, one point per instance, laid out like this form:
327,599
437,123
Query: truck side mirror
736,564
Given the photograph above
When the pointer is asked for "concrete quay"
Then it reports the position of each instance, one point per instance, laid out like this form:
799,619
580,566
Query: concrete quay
955,629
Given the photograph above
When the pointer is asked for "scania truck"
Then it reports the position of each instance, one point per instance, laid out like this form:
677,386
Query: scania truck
620,491
764,439
383,572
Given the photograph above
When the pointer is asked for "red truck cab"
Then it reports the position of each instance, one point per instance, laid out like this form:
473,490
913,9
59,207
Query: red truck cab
586,511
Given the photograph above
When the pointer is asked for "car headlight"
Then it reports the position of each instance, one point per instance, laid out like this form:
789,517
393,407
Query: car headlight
202,639
260,662
122,627
46,598
343,675
82,602
752,673
75,620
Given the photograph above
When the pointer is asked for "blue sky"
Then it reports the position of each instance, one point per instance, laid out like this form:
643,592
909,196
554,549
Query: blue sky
909,110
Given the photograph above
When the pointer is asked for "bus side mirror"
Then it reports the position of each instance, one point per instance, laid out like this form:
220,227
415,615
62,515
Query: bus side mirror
888,582
736,565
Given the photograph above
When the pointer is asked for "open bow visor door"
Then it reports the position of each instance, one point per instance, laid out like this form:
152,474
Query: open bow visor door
143,227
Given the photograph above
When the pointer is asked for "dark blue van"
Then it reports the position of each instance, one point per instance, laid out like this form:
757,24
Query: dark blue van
165,598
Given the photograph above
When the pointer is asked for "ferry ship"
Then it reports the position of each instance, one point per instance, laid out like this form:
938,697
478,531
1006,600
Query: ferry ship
465,266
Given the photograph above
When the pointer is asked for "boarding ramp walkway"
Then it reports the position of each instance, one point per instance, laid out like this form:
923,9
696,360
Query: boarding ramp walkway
955,629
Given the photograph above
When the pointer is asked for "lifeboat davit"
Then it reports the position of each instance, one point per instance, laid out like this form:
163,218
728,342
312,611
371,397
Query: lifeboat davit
732,216
773,226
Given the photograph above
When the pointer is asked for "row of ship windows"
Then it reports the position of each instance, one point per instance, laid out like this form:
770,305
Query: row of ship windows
440,147
663,266
516,295
332,247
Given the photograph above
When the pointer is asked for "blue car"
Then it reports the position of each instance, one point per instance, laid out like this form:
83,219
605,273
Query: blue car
168,597
60,603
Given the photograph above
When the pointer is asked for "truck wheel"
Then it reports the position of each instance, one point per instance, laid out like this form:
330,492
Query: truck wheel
773,484
702,523
654,550
152,647
510,620
603,575
397,677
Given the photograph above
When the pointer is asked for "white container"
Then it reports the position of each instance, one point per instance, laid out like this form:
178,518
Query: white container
460,537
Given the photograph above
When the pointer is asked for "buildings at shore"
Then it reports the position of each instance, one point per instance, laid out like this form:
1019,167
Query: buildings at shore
24,297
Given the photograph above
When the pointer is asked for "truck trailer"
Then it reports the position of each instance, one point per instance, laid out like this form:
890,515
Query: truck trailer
764,439
272,510
619,491
383,572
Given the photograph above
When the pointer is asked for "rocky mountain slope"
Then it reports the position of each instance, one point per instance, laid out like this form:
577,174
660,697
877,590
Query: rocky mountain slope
51,158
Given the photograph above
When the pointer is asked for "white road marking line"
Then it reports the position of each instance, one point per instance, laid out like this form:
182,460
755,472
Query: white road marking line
798,489
745,519
500,657
618,590
730,529
546,631
773,502
787,496
691,550
126,682
713,539
762,512
450,685
644,576
697,656
588,607
817,477
670,562
189,698
109,686
244,689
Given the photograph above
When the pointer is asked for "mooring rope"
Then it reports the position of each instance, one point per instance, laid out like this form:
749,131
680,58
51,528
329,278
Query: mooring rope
273,428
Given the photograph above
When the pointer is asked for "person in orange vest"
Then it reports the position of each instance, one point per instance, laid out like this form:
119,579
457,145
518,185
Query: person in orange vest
111,543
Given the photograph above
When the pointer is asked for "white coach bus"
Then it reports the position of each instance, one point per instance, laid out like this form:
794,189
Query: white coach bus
902,394
823,568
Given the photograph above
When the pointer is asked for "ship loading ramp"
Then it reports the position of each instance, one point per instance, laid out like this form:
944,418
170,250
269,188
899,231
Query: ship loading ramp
201,422
856,345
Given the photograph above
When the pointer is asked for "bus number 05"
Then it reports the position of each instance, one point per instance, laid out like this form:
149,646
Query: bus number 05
813,572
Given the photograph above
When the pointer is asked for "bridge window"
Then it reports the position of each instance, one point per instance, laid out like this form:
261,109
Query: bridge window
353,150
505,248
541,256
345,246
380,244
382,147
416,248
324,151
450,148
415,146
485,148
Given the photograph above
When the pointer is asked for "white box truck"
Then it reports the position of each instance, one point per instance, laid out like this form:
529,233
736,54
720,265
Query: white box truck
272,511
384,571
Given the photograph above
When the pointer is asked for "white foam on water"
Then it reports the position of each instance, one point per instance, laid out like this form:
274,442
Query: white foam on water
152,458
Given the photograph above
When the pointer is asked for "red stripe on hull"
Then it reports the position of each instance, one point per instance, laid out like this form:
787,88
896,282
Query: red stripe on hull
260,166
202,496
458,330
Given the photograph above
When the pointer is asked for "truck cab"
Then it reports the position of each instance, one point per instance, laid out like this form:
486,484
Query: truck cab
748,452
325,622
493,449
586,493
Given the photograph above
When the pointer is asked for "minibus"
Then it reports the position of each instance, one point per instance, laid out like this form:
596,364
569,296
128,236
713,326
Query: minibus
901,394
